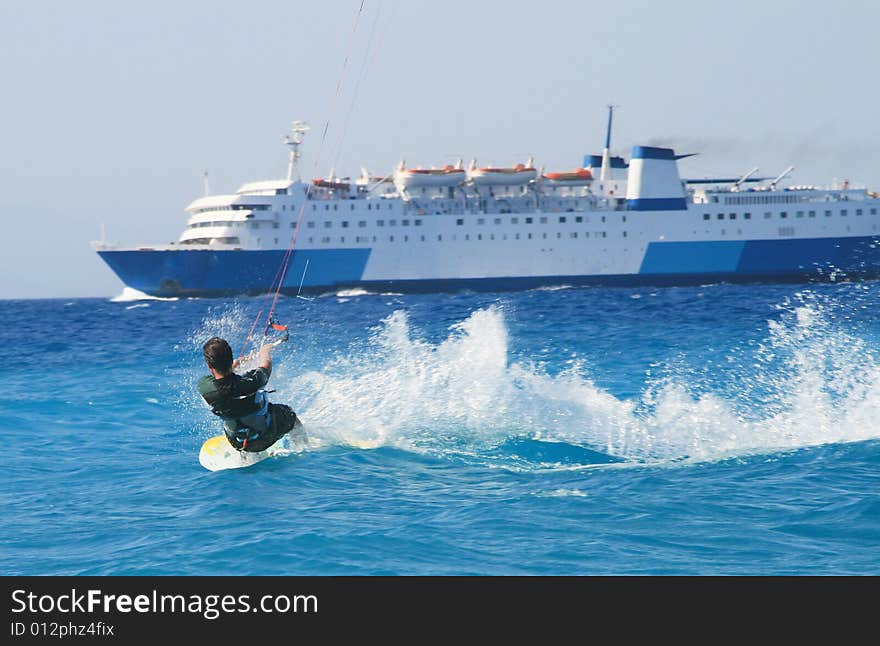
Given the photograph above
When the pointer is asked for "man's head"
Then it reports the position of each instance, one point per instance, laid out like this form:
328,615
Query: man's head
218,355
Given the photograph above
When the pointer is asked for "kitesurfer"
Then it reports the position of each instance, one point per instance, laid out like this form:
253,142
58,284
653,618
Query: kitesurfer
250,421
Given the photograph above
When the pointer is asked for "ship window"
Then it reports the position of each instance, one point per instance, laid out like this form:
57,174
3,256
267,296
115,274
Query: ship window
325,239
369,207
374,238
733,216
467,236
392,223
542,220
481,221
516,236
310,225
351,207
706,216
479,236
812,214
767,215
314,207
843,212
858,211
406,238
514,220
573,234
311,240
747,216
624,217
341,238
283,207
275,225
497,220
362,223
562,219
491,236
530,236
580,219
873,211
624,234
418,223
459,222
799,214
827,214
327,224
423,238
720,216
326,207
390,238
603,218
545,236
558,235
380,223
404,223
783,214
335,207
439,238
276,240
529,220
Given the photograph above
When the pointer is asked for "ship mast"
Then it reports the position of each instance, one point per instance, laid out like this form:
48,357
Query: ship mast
606,152
293,141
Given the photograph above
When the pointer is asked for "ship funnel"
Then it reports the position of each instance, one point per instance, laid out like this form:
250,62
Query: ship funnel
653,182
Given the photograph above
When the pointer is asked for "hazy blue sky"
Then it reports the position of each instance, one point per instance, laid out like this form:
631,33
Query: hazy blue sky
111,111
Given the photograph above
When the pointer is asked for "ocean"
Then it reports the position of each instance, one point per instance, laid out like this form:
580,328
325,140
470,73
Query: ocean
713,430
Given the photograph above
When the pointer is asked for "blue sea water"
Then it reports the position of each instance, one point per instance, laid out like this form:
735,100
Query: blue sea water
696,431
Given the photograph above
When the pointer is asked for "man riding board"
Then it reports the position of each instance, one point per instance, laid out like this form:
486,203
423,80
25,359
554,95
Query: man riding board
250,421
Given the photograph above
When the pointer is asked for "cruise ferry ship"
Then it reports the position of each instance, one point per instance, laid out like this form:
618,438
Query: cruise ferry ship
608,221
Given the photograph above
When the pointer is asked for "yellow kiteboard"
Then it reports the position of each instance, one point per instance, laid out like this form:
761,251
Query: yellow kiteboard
218,454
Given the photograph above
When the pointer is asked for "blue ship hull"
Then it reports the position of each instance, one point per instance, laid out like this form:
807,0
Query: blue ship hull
231,272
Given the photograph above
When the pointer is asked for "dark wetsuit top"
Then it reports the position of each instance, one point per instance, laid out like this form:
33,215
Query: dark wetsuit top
244,410
251,423
234,396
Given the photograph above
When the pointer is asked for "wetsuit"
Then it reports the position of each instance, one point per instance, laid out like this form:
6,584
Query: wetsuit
250,422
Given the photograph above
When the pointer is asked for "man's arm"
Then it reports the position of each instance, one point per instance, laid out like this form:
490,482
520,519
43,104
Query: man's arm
266,357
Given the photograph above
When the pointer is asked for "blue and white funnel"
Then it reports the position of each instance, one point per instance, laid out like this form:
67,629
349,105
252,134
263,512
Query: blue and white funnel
653,183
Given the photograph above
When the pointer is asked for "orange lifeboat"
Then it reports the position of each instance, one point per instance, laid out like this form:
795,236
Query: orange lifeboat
326,183
579,177
417,177
488,176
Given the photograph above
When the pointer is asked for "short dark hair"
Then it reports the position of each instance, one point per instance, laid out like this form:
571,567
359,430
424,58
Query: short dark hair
218,354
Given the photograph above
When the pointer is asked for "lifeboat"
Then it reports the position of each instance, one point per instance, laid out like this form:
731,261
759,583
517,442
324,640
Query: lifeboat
320,182
492,176
579,177
420,177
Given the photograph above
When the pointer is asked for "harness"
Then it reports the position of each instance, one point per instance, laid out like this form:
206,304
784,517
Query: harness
242,428
250,427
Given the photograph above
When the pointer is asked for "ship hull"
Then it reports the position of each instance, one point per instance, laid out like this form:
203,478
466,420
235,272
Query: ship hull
213,273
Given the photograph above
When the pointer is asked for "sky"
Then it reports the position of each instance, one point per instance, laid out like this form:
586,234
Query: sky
111,112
